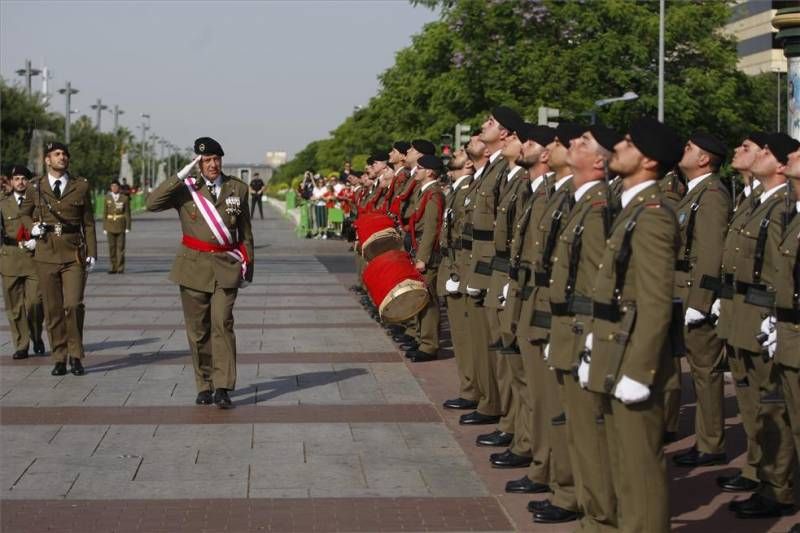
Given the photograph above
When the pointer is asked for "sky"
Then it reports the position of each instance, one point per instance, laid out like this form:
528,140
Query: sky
255,75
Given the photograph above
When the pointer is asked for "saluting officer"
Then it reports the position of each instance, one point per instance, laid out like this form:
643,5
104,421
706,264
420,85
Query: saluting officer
21,295
631,352
756,241
116,224
61,208
214,261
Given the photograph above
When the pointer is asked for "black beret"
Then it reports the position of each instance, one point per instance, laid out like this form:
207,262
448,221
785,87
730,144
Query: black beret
207,146
114,182
710,144
508,118
53,146
423,146
431,162
380,156
605,137
566,131
401,146
21,170
781,145
357,173
758,137
370,160
476,132
656,141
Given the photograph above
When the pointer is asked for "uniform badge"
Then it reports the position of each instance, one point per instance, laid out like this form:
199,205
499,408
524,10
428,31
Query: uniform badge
681,218
233,205
118,205
466,201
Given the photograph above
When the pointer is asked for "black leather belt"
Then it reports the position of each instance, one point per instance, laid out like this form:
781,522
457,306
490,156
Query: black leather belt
505,255
541,279
466,244
576,305
527,291
482,235
500,264
786,314
742,287
65,228
609,312
541,319
482,267
683,265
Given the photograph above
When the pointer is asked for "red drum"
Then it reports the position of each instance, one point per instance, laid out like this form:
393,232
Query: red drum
377,234
395,286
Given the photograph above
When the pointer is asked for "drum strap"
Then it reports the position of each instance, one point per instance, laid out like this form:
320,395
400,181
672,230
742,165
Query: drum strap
420,212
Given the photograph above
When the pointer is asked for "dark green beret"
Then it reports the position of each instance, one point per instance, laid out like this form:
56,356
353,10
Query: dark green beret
380,156
431,162
656,141
401,146
710,144
21,170
423,146
781,145
605,137
566,131
508,118
53,146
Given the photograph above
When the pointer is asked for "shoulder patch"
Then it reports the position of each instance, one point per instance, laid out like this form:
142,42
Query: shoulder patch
653,205
599,203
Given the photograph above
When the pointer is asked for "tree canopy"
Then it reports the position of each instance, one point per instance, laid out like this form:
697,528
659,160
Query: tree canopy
558,54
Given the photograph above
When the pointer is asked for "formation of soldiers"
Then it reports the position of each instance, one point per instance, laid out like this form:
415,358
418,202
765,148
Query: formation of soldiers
576,269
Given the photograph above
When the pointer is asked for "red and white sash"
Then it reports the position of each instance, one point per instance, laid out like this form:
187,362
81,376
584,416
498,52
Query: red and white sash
218,229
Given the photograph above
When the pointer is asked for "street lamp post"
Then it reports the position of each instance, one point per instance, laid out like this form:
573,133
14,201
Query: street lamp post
117,112
145,128
28,72
152,166
627,97
661,17
67,91
99,107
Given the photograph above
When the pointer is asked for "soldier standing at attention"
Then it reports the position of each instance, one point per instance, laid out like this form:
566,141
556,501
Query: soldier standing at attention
214,261
116,224
629,351
61,208
256,191
20,282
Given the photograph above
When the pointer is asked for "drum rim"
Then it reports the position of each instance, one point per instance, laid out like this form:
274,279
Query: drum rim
402,288
386,232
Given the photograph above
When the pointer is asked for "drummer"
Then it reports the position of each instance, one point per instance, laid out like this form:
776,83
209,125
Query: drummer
424,224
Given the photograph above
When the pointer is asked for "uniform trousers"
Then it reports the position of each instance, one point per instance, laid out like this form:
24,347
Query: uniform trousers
116,251
23,303
427,321
209,330
62,285
704,353
489,396
542,399
502,372
459,333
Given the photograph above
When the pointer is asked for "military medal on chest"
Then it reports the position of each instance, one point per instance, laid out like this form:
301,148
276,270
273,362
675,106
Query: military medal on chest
233,206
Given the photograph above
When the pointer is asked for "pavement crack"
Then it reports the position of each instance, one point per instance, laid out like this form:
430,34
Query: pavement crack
155,430
197,456
127,398
249,474
54,434
22,474
305,454
252,436
89,393
141,460
72,484
100,441
172,392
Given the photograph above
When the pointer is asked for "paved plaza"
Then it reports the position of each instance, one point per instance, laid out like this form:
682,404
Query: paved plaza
333,430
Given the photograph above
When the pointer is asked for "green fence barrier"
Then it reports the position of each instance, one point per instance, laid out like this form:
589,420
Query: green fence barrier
303,227
291,200
335,215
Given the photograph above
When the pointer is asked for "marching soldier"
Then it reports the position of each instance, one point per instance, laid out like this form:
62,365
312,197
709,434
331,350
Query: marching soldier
116,224
629,353
21,295
214,261
756,240
702,216
452,250
578,252
66,250
397,160
424,225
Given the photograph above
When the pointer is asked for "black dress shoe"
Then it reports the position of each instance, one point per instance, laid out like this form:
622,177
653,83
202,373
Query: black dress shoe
496,345
693,457
476,419
737,483
460,403
112,271
553,514
38,347
757,506
60,369
222,400
509,459
20,354
495,438
418,356
204,397
76,367
526,486
670,436
536,505
403,338
510,350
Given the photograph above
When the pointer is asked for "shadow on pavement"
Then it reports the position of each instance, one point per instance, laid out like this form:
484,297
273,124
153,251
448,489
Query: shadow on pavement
268,390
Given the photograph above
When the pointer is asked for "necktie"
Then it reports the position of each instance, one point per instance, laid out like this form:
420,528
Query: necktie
212,190
57,188
19,201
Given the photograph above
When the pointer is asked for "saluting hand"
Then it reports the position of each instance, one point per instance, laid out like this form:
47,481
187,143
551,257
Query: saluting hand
182,173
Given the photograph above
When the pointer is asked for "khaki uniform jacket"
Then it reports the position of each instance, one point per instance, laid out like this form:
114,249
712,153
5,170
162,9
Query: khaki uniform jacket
117,214
407,207
746,318
450,242
14,260
643,350
427,224
787,296
587,219
203,271
74,207
711,205
672,188
479,208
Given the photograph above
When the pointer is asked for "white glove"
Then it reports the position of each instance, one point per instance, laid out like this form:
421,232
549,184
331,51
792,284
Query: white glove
182,173
104,232
36,230
546,351
587,344
504,297
127,231
90,261
715,307
768,328
693,316
583,374
30,244
473,292
451,286
630,391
